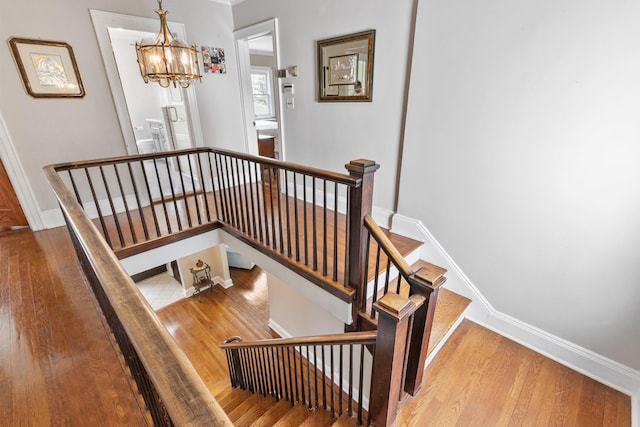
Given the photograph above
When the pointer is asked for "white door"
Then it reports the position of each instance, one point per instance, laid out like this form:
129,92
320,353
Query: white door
257,48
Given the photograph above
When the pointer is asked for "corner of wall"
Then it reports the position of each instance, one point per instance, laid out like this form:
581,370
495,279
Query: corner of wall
596,366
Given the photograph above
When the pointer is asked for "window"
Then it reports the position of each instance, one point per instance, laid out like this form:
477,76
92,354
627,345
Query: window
262,91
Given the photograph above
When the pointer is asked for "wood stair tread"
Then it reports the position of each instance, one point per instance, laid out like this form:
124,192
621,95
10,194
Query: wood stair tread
449,309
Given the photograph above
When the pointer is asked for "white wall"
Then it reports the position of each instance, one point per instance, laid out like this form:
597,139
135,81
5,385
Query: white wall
46,131
521,157
330,134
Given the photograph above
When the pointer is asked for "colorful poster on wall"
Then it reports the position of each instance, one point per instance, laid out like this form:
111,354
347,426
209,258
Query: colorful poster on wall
213,60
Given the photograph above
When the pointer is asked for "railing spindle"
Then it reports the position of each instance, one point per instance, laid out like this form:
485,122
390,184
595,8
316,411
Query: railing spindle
324,227
286,200
126,204
195,187
305,223
295,216
143,220
151,202
184,192
114,214
97,204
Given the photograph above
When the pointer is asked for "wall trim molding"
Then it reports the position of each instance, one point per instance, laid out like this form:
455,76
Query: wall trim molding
18,178
587,362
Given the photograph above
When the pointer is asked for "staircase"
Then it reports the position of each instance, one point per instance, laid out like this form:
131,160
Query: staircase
247,409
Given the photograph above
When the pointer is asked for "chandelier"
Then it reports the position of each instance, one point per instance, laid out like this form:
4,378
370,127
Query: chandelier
167,59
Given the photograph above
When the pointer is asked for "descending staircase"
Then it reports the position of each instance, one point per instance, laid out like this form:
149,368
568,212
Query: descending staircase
247,409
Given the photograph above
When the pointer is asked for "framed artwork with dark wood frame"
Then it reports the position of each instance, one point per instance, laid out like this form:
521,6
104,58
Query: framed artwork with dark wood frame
345,67
48,68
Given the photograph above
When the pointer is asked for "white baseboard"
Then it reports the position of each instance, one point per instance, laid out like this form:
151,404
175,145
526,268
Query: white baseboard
52,218
222,282
596,366
278,329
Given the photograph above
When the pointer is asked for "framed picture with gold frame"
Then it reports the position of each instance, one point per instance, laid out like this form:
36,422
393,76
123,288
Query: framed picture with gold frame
48,68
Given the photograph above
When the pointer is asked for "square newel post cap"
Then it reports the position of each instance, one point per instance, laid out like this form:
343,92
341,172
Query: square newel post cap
395,306
361,167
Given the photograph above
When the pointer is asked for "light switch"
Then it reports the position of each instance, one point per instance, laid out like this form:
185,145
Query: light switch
288,88
290,104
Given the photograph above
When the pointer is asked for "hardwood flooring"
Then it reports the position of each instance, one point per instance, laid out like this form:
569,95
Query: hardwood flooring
58,364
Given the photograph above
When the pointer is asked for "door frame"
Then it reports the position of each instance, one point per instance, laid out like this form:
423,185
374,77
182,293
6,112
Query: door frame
19,179
102,21
242,37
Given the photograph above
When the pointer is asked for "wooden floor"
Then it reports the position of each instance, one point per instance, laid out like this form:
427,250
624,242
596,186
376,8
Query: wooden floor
58,365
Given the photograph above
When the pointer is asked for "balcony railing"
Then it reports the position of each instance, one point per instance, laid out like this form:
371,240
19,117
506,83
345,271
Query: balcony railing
315,222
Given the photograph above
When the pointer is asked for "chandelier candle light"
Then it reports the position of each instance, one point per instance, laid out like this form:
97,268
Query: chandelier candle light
167,59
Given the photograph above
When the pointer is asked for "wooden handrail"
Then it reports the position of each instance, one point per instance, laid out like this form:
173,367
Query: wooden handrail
392,252
181,390
366,338
267,161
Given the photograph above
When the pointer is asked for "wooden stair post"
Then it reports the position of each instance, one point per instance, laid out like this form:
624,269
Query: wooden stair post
360,205
394,328
426,283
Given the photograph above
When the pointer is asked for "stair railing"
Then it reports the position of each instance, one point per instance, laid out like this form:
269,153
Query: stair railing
296,214
356,372
393,275
173,391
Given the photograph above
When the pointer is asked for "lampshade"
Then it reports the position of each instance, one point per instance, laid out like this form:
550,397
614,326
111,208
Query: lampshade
167,59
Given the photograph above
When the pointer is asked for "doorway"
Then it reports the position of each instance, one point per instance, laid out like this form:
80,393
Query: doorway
258,62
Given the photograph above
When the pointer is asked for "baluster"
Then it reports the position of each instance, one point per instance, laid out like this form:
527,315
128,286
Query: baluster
274,242
184,192
203,186
340,399
335,232
75,188
224,208
164,204
295,215
299,384
151,203
315,372
290,391
256,171
137,196
324,383
194,187
286,201
278,195
333,385
97,204
375,282
125,203
304,212
350,380
361,384
314,229
324,227
254,229
114,214
309,382
363,290
173,195
242,188
238,192
214,193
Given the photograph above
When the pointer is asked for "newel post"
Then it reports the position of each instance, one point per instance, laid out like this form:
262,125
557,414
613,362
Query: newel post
360,205
426,285
394,328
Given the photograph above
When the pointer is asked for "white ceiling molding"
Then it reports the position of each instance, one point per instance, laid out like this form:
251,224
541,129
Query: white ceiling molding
227,2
